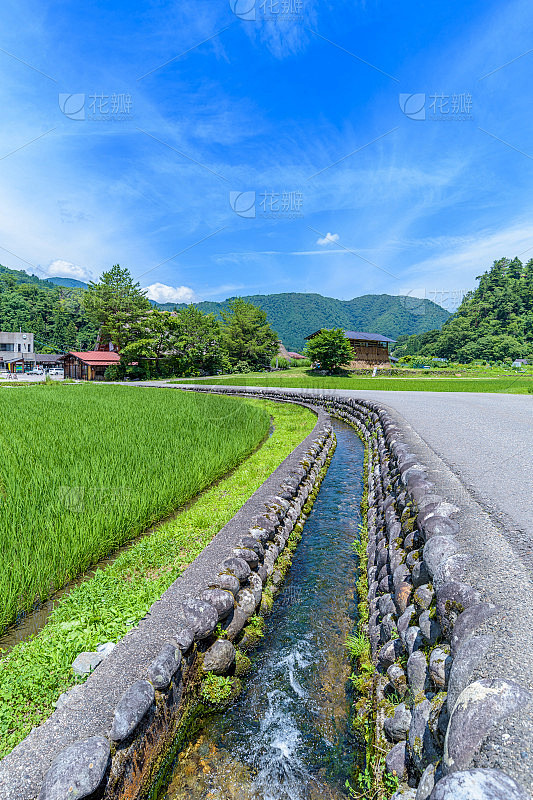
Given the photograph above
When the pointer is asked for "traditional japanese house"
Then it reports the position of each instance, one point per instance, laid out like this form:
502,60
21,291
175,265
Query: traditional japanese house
369,349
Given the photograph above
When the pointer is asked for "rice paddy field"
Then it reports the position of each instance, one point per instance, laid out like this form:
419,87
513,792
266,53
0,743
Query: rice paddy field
298,378
112,600
85,468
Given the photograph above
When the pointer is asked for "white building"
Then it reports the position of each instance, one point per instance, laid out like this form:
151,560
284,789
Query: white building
16,348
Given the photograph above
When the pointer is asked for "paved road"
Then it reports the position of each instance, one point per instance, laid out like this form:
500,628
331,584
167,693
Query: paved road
487,440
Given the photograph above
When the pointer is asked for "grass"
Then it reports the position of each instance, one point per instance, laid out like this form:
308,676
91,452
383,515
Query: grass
307,379
105,607
84,469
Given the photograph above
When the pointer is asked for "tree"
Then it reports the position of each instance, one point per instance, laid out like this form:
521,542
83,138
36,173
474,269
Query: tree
248,335
153,342
331,349
198,343
118,306
187,343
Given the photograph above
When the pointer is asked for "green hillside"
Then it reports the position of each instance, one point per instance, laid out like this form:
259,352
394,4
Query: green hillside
294,316
72,283
54,314
494,322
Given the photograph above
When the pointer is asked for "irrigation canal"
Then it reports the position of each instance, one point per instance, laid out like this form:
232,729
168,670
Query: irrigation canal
287,737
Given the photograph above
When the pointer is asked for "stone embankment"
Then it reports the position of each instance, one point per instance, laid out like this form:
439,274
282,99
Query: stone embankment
110,736
451,727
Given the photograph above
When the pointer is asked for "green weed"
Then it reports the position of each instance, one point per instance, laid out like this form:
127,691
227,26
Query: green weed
216,689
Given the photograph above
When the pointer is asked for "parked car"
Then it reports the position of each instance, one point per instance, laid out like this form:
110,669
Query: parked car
57,372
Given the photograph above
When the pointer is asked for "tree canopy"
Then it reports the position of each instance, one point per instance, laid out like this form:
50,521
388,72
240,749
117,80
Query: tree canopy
118,306
248,335
331,349
494,322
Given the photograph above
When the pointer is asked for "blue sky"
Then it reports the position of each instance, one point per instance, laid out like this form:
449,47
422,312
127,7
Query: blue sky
343,148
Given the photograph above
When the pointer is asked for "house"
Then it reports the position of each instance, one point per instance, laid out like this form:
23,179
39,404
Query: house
90,365
295,356
370,349
520,362
282,352
16,351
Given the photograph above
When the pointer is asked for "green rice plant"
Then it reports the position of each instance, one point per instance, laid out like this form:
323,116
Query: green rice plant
84,469
301,378
104,607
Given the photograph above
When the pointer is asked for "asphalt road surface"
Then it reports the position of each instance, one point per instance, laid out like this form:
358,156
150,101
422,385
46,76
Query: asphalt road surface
486,439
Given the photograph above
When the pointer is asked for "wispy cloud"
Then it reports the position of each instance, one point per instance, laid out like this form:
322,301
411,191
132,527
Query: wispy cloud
463,260
251,253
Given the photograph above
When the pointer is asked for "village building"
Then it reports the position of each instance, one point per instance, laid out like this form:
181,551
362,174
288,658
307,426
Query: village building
49,360
90,365
369,349
282,351
16,351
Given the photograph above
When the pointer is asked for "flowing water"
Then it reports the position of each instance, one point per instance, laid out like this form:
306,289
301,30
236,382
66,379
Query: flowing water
287,737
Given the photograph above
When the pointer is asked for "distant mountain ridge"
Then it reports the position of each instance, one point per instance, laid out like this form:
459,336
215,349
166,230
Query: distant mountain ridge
293,315
71,283
296,315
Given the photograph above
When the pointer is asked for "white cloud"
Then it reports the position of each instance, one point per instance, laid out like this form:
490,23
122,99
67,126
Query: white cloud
65,269
162,293
329,238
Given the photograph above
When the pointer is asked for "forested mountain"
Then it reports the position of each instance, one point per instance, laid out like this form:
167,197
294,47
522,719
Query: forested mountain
294,316
54,314
72,283
52,310
493,322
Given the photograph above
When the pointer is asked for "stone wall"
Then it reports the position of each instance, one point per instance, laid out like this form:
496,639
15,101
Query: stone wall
445,727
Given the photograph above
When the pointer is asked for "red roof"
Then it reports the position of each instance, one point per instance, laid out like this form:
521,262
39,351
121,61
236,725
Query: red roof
96,358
